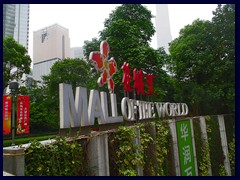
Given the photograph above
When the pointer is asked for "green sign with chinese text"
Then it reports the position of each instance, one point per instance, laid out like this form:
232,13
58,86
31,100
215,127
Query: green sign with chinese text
185,148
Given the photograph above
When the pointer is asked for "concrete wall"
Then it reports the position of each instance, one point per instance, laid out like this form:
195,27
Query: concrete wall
13,161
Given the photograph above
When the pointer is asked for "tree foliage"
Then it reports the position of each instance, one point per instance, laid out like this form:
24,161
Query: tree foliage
76,72
139,18
16,62
45,99
203,62
128,31
90,46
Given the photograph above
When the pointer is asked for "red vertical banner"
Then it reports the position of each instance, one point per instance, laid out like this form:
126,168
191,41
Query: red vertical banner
7,104
23,103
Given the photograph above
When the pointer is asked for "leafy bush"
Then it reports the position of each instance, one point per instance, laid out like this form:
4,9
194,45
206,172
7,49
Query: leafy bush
61,158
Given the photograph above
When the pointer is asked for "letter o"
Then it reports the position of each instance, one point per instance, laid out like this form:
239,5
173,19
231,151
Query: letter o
124,103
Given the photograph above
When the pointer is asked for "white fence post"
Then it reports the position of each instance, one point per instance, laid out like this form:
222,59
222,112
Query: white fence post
224,143
172,125
194,147
137,141
205,138
98,155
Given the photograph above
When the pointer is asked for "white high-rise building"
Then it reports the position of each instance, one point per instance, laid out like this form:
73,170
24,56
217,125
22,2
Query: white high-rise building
50,44
163,29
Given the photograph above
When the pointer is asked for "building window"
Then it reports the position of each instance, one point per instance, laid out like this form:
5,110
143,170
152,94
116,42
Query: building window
44,35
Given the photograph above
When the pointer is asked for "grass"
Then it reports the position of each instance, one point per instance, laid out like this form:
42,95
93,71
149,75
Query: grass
26,139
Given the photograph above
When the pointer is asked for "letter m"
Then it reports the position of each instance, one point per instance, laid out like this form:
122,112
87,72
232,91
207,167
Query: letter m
72,113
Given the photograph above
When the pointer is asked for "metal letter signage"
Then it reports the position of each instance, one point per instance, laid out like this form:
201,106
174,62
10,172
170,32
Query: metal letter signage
185,148
107,67
79,111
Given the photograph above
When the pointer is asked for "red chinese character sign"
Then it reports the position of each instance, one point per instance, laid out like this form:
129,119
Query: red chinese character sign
138,81
7,105
23,115
149,81
138,78
107,67
126,77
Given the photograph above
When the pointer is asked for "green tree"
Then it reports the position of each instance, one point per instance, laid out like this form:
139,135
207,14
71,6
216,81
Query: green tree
189,55
203,60
90,46
76,72
44,114
224,51
138,16
16,62
45,99
128,31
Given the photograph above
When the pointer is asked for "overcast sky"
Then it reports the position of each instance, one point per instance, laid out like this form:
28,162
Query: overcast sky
84,21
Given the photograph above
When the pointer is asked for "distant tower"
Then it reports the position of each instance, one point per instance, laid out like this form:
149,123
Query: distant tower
163,26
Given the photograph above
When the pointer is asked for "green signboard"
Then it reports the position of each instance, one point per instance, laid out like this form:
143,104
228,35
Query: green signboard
185,148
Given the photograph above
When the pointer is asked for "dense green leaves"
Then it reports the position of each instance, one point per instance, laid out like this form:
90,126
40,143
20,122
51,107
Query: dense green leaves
139,17
60,158
200,67
76,72
151,154
16,62
128,30
203,63
45,99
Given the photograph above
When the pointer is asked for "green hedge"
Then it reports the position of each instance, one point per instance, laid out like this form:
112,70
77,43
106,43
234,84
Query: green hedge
64,157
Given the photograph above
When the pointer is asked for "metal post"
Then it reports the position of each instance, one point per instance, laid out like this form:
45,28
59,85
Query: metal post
224,144
14,87
13,118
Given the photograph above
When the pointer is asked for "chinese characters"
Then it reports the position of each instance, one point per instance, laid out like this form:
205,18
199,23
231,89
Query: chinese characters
185,148
138,80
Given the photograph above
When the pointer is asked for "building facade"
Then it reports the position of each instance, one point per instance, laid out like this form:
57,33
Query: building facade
50,44
77,52
16,22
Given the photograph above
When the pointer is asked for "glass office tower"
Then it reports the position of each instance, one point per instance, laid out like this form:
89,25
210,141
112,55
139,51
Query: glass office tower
16,22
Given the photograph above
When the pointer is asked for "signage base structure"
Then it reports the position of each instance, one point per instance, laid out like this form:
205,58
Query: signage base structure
98,155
